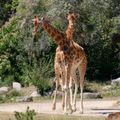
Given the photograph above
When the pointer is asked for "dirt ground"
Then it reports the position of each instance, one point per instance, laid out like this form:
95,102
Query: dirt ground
91,107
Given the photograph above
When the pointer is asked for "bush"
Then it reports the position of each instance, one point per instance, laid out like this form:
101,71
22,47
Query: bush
41,74
13,93
43,86
113,92
10,96
28,115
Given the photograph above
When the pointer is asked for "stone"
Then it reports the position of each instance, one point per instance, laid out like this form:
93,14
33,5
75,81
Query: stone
4,90
115,81
59,93
24,99
89,95
35,94
16,86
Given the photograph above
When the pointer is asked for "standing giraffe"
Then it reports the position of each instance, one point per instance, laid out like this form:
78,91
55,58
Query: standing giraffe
71,17
69,57
61,70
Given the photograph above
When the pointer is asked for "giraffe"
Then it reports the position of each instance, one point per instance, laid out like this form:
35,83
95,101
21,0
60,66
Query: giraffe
59,38
71,17
113,116
69,56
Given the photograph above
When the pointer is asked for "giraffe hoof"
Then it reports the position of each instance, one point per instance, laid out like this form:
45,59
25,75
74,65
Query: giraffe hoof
71,111
53,108
74,109
65,113
81,112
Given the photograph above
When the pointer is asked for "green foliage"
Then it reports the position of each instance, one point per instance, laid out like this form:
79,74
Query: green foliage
41,75
93,31
7,9
10,96
113,92
28,115
13,93
2,100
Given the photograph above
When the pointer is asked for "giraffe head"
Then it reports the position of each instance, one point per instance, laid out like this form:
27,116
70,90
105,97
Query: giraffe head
72,16
38,22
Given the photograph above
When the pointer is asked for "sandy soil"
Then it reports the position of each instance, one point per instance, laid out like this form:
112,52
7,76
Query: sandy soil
91,107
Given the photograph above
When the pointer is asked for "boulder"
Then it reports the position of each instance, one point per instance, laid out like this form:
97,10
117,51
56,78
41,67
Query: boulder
4,90
89,95
16,86
115,81
59,93
35,94
24,99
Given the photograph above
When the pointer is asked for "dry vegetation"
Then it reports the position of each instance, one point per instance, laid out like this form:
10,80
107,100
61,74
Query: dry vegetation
9,116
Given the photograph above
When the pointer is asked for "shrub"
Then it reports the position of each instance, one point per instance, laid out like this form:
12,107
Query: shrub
28,115
10,96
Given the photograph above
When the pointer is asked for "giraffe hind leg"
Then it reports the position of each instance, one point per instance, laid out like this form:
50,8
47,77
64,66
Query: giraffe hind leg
55,95
82,71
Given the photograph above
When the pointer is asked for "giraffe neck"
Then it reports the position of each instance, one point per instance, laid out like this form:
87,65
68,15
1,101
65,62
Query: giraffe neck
70,30
57,35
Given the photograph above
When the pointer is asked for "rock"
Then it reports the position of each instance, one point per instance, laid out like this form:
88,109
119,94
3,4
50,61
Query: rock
24,99
35,94
59,93
115,81
4,90
16,86
89,95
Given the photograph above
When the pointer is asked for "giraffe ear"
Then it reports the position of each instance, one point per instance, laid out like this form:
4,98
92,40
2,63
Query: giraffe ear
35,20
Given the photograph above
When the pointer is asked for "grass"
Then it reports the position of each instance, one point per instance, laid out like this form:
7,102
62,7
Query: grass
114,91
9,97
63,117
106,89
10,116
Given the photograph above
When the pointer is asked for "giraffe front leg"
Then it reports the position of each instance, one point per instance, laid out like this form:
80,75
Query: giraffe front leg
65,107
71,92
63,100
74,99
75,92
67,101
67,89
82,71
55,95
81,96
